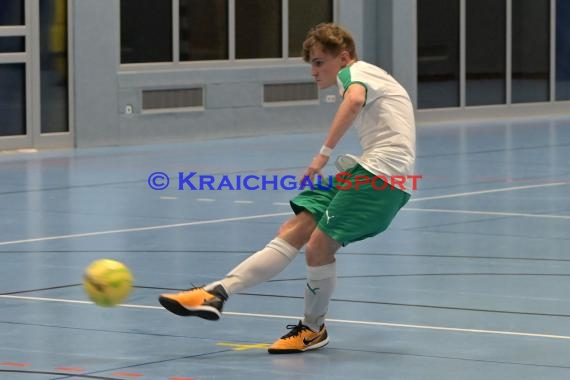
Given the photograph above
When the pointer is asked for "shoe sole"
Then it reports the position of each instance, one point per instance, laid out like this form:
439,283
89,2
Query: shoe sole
205,312
298,351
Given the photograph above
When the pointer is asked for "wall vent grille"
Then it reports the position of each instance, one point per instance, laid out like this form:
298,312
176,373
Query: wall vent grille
172,98
290,92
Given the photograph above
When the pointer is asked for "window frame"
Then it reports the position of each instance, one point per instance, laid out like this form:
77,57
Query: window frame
232,61
462,107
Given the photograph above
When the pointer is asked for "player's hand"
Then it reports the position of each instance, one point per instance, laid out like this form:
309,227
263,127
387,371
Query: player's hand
315,168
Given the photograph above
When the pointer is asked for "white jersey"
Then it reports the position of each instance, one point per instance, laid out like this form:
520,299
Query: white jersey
385,125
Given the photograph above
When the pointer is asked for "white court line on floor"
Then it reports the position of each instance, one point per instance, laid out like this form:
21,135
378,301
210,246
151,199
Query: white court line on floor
330,320
490,213
488,191
222,220
138,229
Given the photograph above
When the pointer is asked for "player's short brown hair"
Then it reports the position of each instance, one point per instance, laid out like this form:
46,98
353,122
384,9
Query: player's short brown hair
332,38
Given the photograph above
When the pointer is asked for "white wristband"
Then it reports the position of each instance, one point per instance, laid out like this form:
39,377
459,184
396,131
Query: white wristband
325,151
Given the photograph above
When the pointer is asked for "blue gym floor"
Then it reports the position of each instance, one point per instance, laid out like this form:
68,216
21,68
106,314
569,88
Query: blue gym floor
471,281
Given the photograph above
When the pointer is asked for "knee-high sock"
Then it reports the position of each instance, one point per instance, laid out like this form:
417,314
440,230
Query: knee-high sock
259,267
321,282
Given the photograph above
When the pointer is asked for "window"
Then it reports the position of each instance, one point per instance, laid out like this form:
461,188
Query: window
203,30
438,53
13,99
531,51
258,29
211,30
463,48
12,44
11,12
303,15
485,52
146,31
563,50
53,66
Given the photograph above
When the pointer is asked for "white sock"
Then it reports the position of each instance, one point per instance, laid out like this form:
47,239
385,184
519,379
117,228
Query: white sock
321,282
259,267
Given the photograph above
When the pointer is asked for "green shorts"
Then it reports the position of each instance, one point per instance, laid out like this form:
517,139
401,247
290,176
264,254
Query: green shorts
347,213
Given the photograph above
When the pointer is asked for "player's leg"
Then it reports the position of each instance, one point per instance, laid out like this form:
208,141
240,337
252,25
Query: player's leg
207,302
321,278
311,333
352,215
274,258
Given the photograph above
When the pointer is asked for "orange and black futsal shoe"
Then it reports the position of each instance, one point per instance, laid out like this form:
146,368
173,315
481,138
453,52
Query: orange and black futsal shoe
300,339
196,302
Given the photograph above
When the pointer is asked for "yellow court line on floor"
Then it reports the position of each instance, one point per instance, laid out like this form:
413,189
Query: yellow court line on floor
244,346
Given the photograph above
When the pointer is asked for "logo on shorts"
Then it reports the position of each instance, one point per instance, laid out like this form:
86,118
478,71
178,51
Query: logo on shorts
328,216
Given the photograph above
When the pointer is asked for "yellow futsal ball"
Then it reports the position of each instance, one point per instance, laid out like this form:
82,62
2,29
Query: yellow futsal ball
107,282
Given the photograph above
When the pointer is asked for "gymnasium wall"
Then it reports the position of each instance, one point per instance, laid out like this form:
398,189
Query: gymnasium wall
108,99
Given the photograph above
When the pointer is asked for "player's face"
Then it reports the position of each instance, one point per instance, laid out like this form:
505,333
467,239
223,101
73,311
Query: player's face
325,67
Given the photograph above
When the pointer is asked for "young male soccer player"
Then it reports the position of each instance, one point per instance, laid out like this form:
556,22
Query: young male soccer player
382,114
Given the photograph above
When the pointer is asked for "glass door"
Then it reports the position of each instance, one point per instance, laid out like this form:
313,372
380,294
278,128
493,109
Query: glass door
34,74
14,75
53,67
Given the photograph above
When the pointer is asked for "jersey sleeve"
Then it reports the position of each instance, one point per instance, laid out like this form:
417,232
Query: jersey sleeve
346,78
